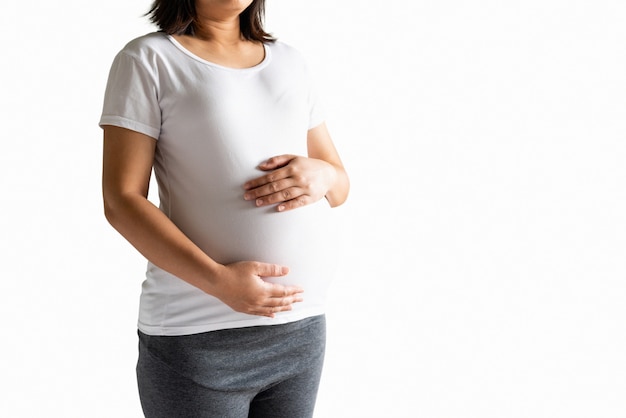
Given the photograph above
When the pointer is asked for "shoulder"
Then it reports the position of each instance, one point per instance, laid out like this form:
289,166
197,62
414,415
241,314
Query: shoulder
153,43
287,53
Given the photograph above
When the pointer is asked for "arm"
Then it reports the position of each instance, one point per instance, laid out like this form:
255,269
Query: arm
127,164
295,181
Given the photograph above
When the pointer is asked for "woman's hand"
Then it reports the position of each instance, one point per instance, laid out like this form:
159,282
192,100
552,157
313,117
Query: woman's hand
292,182
241,286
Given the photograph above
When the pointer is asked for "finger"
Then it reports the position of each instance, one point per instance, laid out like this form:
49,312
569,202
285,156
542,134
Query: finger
276,305
271,312
276,175
298,202
278,291
276,162
269,188
286,195
280,302
271,270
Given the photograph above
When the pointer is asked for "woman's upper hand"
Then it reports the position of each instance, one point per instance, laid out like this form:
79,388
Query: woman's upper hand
242,287
291,182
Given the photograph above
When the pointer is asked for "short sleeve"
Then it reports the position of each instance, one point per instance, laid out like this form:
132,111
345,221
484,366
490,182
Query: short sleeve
131,97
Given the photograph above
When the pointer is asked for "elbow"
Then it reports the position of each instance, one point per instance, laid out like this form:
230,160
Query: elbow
339,194
335,201
110,212
123,210
115,208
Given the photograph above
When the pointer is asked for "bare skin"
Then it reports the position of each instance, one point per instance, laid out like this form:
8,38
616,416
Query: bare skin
290,182
218,38
294,181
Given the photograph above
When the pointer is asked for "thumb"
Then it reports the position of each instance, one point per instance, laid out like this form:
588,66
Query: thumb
271,270
276,162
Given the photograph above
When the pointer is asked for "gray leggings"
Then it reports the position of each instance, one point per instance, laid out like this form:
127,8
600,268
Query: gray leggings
266,371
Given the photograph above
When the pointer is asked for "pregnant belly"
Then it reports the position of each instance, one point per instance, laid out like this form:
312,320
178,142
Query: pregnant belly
304,239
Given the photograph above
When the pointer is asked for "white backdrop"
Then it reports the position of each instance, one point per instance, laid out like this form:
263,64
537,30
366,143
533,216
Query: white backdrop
485,270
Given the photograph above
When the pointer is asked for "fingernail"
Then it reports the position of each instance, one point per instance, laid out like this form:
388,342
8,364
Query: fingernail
281,208
259,202
247,196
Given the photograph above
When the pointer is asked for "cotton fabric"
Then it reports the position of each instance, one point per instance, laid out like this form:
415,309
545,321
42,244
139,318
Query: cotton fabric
213,126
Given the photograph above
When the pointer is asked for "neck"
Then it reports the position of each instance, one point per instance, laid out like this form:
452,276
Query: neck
223,29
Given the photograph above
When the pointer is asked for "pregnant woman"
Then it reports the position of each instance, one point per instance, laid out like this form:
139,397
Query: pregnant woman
242,248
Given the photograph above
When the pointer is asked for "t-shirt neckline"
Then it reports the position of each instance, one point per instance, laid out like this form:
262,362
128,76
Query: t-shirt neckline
262,64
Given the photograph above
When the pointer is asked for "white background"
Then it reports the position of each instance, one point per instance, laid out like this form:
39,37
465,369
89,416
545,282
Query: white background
485,270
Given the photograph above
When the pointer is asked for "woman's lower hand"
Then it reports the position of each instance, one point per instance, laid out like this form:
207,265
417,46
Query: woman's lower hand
243,289
291,182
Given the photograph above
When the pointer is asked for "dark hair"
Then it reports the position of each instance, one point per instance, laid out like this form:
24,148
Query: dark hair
178,17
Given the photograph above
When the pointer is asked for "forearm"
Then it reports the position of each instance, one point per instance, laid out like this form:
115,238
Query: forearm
156,237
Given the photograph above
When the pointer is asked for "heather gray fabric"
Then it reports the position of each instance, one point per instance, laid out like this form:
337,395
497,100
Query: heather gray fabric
263,371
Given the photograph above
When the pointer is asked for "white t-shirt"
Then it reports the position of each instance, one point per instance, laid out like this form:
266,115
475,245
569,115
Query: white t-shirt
213,126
